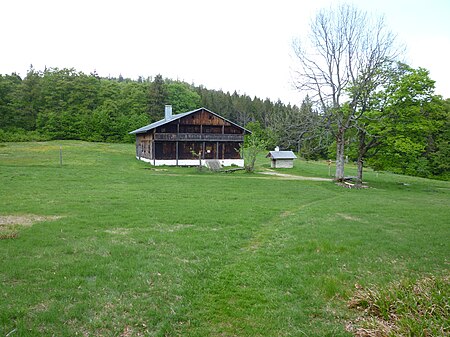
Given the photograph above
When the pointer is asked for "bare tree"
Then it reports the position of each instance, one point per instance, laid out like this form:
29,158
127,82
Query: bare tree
338,66
299,129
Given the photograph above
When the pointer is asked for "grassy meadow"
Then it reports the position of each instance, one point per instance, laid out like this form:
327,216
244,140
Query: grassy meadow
105,245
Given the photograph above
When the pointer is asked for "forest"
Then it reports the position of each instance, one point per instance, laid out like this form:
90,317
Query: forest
409,124
68,104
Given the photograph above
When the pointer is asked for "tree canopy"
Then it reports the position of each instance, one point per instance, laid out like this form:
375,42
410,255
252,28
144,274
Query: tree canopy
68,104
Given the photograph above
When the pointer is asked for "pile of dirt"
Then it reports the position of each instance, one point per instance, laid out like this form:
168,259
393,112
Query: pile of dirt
10,224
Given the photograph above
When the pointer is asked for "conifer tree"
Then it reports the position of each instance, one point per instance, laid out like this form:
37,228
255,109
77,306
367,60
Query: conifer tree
157,98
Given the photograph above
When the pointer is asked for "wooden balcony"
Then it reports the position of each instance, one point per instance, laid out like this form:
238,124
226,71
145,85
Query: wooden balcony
212,137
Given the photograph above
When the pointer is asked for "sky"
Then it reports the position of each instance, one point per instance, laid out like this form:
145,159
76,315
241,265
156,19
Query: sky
241,45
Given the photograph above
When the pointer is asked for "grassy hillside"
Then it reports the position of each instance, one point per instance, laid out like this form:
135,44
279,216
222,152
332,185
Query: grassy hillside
105,245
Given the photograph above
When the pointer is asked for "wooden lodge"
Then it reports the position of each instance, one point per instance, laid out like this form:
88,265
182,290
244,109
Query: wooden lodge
180,139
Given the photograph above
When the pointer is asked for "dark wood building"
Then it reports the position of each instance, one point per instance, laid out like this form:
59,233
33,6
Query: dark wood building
178,139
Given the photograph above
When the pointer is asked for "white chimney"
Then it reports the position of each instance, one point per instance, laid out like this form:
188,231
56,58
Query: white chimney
277,149
168,113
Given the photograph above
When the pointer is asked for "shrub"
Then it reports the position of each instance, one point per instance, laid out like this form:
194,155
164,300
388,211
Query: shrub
406,308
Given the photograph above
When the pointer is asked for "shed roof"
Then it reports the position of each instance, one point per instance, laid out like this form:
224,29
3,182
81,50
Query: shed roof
178,116
281,155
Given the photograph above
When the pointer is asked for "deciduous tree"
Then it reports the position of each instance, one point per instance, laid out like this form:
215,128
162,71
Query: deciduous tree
182,97
343,52
414,124
253,146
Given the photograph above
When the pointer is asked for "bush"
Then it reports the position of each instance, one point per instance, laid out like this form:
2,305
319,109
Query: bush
21,135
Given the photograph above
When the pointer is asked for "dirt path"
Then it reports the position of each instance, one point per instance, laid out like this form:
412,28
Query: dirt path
267,172
293,177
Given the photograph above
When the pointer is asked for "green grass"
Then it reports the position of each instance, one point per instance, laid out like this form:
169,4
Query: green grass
126,250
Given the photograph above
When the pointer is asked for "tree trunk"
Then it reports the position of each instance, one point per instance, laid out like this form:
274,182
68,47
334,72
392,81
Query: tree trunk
340,145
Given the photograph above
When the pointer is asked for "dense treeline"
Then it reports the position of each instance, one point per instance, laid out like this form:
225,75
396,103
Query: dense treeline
405,130
67,104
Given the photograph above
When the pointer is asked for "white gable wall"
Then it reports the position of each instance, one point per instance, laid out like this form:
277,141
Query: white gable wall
282,163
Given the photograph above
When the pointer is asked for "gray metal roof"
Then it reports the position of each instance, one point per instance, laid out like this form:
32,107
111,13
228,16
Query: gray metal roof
281,155
178,116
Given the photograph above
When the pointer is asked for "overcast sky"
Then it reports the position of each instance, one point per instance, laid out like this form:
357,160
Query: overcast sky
229,45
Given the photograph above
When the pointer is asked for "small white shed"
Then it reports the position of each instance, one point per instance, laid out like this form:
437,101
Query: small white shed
281,159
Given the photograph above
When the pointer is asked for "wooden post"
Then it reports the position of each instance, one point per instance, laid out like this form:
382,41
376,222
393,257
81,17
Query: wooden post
154,153
176,155
203,150
217,150
60,156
